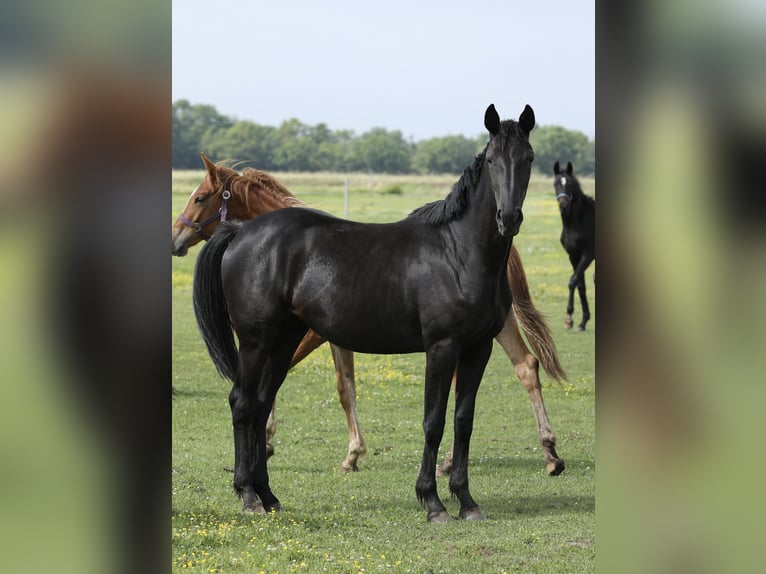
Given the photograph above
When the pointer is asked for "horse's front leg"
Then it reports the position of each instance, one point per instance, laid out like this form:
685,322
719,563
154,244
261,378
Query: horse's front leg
440,364
470,369
344,374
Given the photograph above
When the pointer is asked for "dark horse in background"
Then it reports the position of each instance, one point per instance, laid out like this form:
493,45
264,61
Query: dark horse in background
578,236
434,282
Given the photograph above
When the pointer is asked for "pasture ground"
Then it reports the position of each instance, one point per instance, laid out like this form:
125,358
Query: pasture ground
370,521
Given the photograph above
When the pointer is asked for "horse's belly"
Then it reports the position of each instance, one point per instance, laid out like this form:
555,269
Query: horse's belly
363,325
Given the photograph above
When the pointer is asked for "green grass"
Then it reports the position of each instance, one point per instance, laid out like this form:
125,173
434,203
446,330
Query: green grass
371,521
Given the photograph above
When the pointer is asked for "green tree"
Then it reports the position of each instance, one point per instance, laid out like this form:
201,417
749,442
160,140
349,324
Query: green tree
382,151
555,143
244,140
189,126
450,154
295,146
300,147
588,165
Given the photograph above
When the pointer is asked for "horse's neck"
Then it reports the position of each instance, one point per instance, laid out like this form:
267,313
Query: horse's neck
477,227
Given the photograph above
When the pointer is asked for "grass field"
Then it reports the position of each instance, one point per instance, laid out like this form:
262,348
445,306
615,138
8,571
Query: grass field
370,521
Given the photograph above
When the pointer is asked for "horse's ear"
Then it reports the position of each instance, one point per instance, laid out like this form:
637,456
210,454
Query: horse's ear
556,168
210,167
569,168
492,120
527,119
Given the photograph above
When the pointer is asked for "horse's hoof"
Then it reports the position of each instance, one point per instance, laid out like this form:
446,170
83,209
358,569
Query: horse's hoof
555,467
568,323
581,328
345,468
472,514
276,507
440,517
254,508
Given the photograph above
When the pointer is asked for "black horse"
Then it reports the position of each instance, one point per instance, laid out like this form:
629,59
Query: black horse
434,282
578,215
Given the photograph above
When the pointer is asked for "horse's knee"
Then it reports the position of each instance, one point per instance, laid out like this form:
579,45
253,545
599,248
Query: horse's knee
233,396
240,412
433,433
463,424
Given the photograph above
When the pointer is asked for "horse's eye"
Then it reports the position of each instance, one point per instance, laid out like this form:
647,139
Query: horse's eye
199,199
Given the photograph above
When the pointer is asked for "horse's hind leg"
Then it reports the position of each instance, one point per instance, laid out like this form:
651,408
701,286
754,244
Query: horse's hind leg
446,466
263,367
271,430
583,264
527,368
242,399
583,303
344,373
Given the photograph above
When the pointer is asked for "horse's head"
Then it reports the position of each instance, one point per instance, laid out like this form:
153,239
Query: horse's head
509,161
563,184
206,207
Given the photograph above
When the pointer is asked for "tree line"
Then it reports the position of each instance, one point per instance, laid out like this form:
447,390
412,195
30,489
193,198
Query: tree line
295,146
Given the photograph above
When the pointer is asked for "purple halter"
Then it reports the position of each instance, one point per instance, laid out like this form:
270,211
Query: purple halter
199,227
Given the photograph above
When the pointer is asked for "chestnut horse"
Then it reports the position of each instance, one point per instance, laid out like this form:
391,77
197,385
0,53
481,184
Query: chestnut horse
227,194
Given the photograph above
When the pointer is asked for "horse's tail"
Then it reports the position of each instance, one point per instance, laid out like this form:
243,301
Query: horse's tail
532,321
209,304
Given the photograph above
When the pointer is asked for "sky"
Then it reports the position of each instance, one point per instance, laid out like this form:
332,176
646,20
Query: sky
426,68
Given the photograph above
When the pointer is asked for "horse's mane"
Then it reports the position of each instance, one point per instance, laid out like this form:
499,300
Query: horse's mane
253,180
452,207
260,178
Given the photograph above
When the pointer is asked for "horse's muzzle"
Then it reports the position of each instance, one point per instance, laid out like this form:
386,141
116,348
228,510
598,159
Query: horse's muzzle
180,251
180,248
508,225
